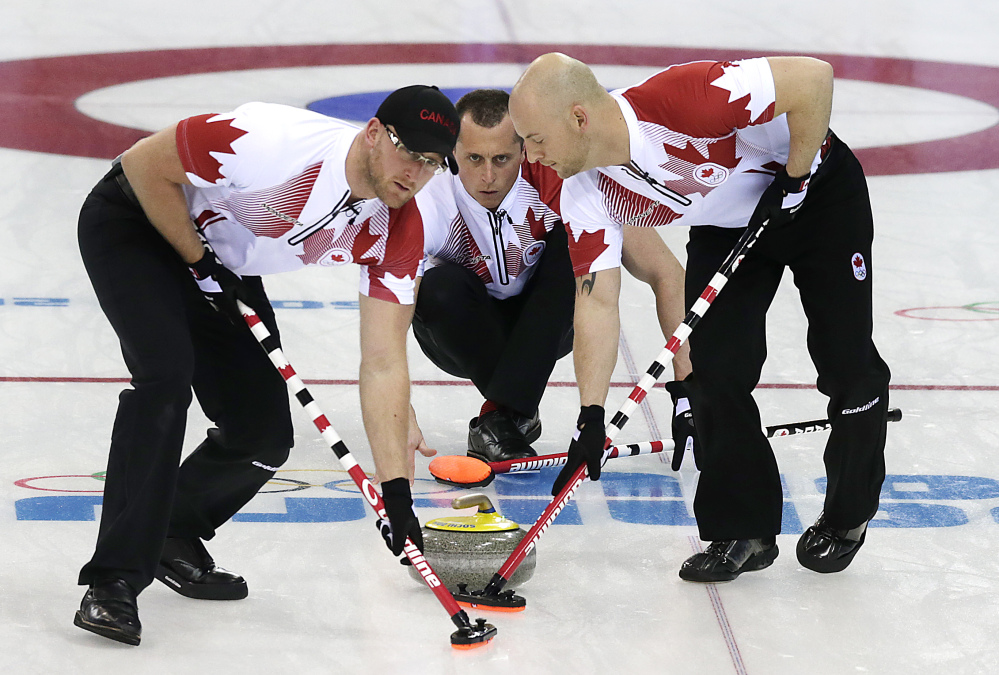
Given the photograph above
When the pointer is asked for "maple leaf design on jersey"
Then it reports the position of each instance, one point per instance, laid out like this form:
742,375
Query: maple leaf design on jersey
770,168
690,161
756,106
206,218
363,243
537,224
586,248
207,134
719,152
356,242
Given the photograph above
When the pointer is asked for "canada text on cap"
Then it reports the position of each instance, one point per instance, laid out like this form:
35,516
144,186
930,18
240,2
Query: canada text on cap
424,119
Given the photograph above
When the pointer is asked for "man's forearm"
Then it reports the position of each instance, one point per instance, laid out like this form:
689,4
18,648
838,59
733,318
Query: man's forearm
154,170
384,384
647,258
597,329
804,88
384,390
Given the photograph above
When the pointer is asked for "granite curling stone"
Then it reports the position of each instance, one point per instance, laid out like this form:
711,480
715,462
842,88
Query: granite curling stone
470,549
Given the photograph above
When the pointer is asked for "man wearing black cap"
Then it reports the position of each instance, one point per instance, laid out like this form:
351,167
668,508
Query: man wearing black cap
179,229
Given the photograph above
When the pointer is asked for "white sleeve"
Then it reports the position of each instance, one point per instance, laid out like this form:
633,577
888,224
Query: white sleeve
256,146
438,209
595,239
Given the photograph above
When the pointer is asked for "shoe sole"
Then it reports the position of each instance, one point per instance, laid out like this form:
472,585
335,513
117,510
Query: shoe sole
754,563
175,583
106,631
487,460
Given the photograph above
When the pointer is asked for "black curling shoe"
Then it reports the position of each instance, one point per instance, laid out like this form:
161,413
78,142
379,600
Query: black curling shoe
110,610
725,560
530,427
187,568
494,437
824,549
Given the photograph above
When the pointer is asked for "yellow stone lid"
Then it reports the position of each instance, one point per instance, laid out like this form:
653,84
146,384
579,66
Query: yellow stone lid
480,522
487,519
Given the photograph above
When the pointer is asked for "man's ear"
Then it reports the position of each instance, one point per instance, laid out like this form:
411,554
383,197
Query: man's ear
371,130
580,118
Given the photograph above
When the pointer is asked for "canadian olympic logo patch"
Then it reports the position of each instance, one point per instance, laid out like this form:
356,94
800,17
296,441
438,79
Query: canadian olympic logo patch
336,256
859,267
710,174
533,252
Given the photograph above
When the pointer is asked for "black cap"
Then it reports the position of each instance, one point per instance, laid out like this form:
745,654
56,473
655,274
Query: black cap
424,119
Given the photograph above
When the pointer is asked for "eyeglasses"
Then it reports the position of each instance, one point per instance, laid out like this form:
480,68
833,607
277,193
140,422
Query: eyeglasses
408,154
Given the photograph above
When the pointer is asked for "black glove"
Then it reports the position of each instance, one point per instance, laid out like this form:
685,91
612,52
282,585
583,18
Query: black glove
400,521
781,200
220,286
587,445
684,433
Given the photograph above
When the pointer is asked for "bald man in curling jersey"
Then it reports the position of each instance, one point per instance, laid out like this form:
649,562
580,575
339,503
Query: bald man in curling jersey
495,302
719,146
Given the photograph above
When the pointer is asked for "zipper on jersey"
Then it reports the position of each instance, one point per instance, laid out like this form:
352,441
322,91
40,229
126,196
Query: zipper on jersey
639,173
325,220
496,223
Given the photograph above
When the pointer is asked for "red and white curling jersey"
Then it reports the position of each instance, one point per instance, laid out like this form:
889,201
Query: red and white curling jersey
270,194
503,246
704,146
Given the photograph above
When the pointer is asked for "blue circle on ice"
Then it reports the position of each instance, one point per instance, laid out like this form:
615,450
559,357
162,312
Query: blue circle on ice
362,107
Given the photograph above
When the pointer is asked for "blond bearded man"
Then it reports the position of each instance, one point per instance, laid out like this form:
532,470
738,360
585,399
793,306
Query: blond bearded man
171,237
719,146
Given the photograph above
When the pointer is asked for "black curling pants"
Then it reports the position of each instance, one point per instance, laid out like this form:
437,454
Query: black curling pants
507,348
172,339
739,493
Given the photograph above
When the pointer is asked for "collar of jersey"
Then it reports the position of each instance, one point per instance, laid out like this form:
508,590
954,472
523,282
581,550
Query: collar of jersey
631,119
336,164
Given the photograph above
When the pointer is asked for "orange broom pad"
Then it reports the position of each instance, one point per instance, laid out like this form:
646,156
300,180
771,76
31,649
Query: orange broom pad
491,608
461,471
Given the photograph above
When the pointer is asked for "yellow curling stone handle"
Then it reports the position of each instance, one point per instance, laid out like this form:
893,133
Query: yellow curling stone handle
487,519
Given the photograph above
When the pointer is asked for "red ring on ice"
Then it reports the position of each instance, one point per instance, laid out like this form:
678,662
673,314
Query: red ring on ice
37,95
907,313
24,483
